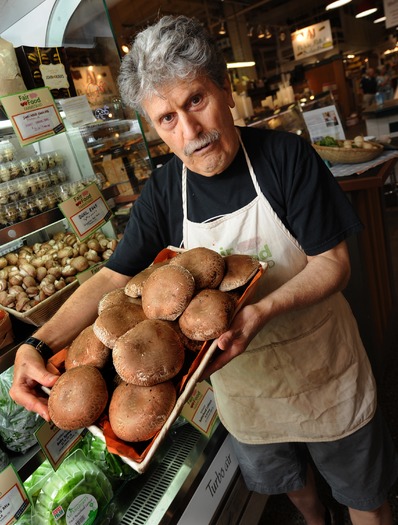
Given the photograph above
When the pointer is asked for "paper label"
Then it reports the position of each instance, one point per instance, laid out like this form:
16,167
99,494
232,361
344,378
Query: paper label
86,211
200,409
82,511
33,115
56,443
13,498
54,76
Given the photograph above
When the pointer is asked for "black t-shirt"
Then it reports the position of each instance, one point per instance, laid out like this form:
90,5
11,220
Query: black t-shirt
368,85
294,179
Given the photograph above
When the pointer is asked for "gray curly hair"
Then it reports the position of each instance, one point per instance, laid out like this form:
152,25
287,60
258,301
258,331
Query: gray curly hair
176,47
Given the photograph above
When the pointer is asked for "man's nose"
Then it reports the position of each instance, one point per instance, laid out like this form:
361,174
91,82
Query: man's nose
191,127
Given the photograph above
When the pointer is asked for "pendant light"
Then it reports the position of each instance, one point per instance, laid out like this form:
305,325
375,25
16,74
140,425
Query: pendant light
365,8
337,3
222,30
268,33
260,32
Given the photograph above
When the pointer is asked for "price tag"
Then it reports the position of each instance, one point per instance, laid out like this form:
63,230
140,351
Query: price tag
200,409
86,211
56,443
13,498
33,115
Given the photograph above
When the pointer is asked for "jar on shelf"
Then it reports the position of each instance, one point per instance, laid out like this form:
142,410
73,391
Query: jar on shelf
25,166
23,210
31,206
12,192
42,202
3,217
34,164
58,158
32,184
11,213
4,173
15,169
64,191
52,197
3,193
43,162
43,181
22,187
51,159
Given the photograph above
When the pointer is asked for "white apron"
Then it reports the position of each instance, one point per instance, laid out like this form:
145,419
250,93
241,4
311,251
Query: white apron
306,375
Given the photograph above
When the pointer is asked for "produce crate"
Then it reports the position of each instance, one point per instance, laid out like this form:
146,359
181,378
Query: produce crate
42,312
139,455
6,332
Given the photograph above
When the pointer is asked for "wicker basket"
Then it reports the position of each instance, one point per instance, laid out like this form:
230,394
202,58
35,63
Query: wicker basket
43,311
340,155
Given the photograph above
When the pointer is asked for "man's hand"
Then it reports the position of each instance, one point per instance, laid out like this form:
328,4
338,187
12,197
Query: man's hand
245,325
30,374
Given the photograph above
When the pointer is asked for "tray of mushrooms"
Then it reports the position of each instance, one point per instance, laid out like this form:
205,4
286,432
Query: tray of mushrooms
135,367
36,279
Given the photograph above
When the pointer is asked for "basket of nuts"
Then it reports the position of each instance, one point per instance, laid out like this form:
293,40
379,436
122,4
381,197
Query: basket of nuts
36,280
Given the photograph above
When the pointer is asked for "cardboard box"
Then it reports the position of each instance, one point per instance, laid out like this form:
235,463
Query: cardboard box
46,67
6,332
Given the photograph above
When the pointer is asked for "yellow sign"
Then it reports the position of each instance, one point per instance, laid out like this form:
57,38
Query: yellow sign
86,211
312,40
33,115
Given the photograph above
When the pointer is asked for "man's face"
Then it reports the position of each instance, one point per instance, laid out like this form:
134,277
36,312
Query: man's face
194,119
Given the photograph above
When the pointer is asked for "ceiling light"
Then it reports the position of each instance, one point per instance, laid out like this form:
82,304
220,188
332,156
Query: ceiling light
231,65
378,20
268,33
365,8
282,36
260,32
250,31
222,30
337,3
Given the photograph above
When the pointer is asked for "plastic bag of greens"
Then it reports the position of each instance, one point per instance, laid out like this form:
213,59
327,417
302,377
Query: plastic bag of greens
4,460
17,425
78,492
114,468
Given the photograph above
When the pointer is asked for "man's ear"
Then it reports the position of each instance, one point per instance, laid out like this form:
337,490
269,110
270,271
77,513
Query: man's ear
228,91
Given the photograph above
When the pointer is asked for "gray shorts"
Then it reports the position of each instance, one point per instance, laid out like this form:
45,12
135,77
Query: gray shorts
360,469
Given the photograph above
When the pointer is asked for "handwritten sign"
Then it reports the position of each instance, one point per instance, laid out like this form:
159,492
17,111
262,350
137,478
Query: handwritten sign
312,40
13,498
56,443
86,211
200,409
33,115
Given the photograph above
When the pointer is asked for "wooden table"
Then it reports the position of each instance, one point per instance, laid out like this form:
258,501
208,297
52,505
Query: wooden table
366,192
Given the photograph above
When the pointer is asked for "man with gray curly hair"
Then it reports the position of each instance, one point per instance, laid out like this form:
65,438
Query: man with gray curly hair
292,381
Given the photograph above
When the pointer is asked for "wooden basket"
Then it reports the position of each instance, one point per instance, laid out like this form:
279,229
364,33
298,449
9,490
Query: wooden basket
42,312
6,332
340,155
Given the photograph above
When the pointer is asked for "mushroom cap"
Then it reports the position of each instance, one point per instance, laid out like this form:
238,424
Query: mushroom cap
115,321
134,287
114,298
87,349
167,292
239,269
148,354
78,398
208,315
136,413
207,266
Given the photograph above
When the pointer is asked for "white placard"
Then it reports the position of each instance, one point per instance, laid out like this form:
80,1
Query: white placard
13,498
77,110
324,122
212,488
391,13
312,40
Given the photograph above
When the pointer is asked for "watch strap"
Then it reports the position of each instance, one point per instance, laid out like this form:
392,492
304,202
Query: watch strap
43,349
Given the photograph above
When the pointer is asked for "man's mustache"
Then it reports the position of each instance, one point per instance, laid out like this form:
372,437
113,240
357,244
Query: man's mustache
208,137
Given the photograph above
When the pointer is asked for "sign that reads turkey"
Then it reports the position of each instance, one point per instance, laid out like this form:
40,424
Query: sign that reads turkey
312,40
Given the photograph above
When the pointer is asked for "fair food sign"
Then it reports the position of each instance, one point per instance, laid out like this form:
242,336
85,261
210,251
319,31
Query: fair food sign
312,40
33,115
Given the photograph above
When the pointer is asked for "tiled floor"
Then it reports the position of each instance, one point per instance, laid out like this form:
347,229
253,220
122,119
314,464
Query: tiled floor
279,510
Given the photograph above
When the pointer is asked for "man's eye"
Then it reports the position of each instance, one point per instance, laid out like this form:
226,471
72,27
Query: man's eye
167,118
196,100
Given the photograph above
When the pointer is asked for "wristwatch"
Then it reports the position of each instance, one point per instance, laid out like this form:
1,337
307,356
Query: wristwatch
43,349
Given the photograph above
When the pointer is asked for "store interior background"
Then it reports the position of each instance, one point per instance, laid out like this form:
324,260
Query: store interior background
357,43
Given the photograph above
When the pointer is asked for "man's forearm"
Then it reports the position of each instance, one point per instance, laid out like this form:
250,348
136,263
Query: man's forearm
80,310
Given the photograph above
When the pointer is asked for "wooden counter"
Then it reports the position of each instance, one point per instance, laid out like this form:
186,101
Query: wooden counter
373,261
